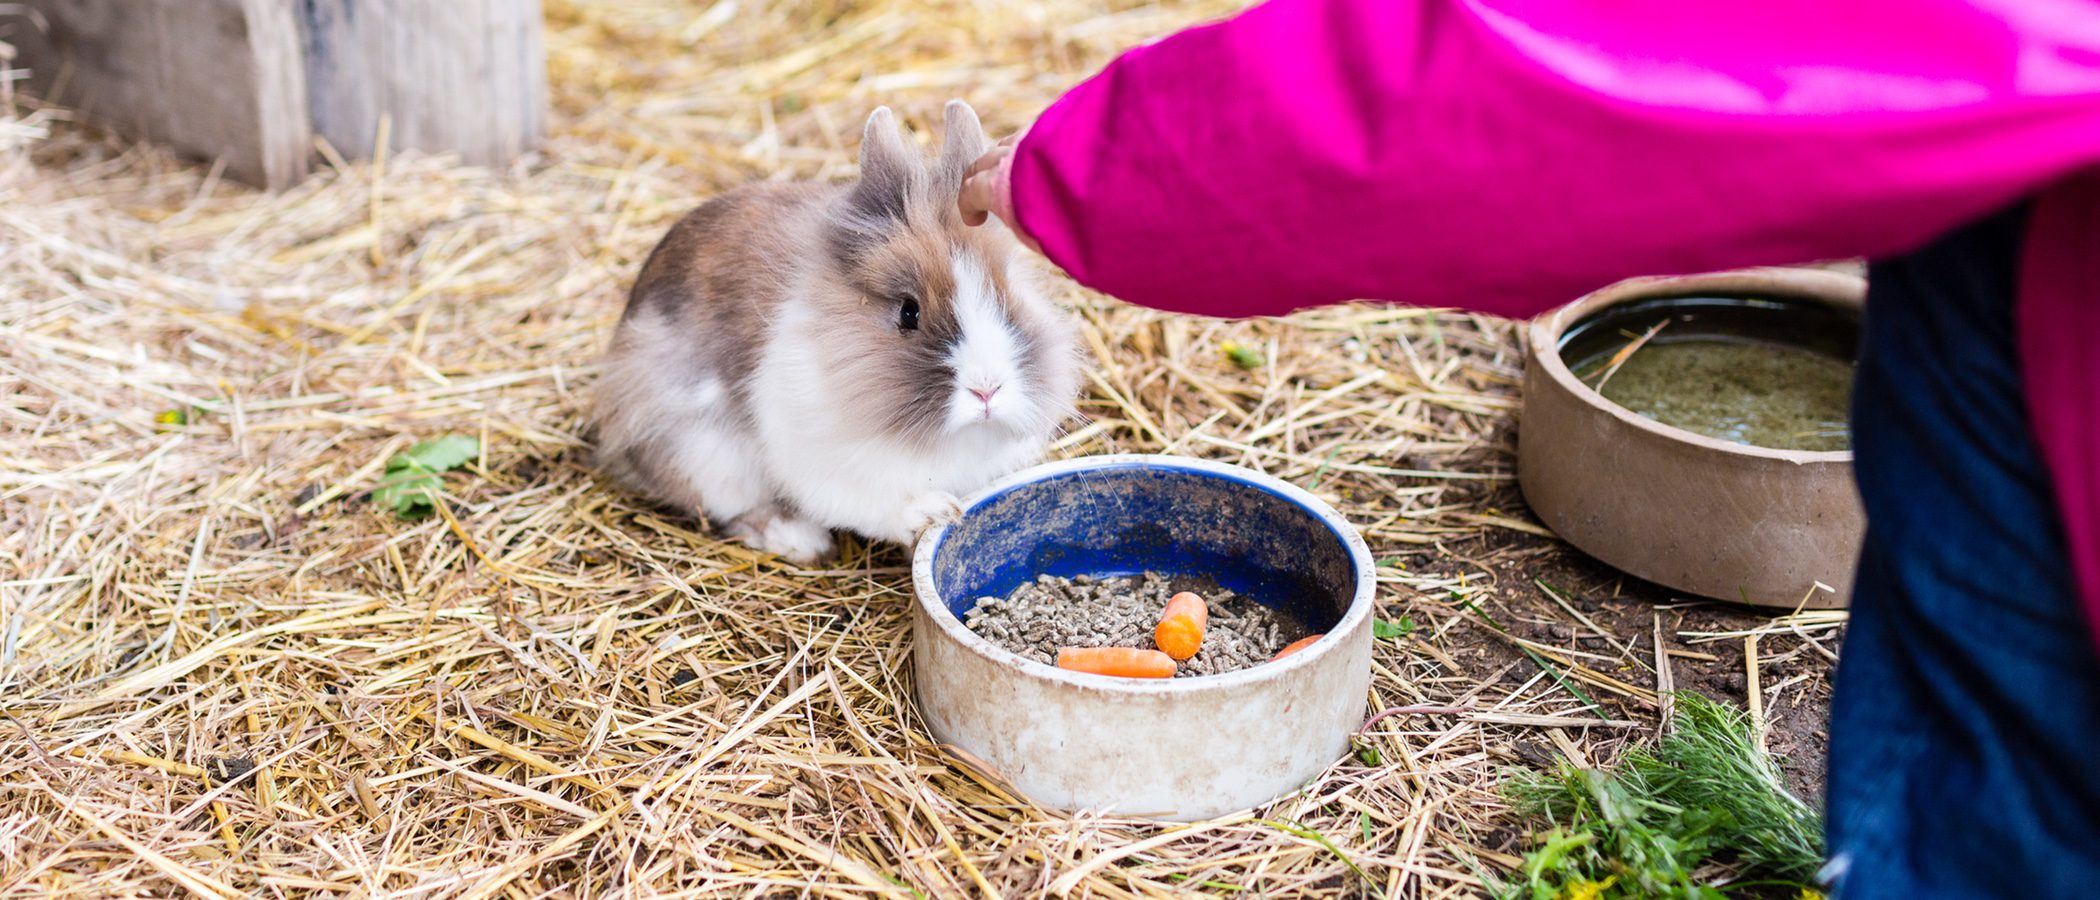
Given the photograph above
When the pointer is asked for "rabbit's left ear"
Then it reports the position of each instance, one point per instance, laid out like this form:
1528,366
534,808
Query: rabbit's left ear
890,172
962,141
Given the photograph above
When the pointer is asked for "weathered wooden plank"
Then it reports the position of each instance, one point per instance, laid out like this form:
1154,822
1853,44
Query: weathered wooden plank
251,82
461,76
217,79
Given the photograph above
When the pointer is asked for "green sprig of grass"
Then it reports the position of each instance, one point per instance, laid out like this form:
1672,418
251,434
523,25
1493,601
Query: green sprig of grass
1706,793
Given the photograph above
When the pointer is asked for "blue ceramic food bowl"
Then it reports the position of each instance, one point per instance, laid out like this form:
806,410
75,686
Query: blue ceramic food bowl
1184,748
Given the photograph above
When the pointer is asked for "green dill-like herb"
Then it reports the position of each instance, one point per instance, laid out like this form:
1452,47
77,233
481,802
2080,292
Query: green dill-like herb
1707,793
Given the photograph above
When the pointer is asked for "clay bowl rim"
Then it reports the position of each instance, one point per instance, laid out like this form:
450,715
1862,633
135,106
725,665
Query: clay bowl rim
929,600
1811,285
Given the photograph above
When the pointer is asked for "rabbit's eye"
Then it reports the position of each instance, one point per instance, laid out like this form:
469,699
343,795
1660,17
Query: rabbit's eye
908,314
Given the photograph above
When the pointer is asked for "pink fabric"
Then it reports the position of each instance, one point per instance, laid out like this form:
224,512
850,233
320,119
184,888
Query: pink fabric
2059,334
1507,156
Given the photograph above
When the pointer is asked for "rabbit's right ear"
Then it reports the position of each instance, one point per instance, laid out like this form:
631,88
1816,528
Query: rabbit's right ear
888,167
962,141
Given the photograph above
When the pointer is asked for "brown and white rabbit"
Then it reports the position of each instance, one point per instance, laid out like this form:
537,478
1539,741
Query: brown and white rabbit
798,358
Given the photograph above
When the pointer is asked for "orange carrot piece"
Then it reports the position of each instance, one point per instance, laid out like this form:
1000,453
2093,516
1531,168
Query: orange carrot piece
1181,624
1124,662
1296,646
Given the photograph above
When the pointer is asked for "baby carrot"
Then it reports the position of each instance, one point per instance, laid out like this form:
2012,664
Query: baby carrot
1181,624
1296,646
1125,662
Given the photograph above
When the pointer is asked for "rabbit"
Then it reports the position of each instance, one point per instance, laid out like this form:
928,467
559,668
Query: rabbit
796,359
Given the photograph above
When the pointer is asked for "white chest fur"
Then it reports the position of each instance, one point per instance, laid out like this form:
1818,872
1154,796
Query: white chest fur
818,457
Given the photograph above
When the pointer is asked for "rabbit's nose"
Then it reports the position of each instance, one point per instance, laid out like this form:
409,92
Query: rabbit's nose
984,394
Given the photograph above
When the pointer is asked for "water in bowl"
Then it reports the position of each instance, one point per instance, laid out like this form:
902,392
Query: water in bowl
1748,392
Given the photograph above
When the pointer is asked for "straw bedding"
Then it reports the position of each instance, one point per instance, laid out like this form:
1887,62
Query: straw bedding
224,672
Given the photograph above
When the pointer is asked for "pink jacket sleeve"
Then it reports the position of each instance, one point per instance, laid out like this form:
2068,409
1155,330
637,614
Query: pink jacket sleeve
1495,156
1507,156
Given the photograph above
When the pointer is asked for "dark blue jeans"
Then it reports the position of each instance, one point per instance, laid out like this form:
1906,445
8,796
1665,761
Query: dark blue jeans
1965,734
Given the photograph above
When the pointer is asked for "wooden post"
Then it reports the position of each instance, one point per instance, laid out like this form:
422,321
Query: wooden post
465,76
252,82
218,79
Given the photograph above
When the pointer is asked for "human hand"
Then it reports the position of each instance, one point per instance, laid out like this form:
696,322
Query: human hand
987,190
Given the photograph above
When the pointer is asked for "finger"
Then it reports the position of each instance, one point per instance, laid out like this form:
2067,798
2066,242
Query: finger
986,162
979,188
975,201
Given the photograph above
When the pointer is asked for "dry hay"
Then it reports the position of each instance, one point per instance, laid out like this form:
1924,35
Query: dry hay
555,690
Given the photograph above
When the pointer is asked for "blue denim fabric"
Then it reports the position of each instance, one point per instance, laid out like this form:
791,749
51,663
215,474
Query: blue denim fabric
1965,734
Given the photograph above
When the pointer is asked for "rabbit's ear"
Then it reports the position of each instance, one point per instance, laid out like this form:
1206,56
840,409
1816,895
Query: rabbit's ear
962,141
888,167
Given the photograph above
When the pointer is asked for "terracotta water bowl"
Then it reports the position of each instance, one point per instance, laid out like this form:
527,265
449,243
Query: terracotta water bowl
1702,515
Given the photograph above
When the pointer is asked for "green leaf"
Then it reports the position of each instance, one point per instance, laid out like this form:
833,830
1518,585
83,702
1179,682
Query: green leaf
1562,680
1364,819
1365,753
1381,628
412,492
171,419
411,483
1242,355
440,455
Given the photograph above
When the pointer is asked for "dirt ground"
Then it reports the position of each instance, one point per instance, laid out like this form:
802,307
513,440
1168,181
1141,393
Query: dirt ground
1628,608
